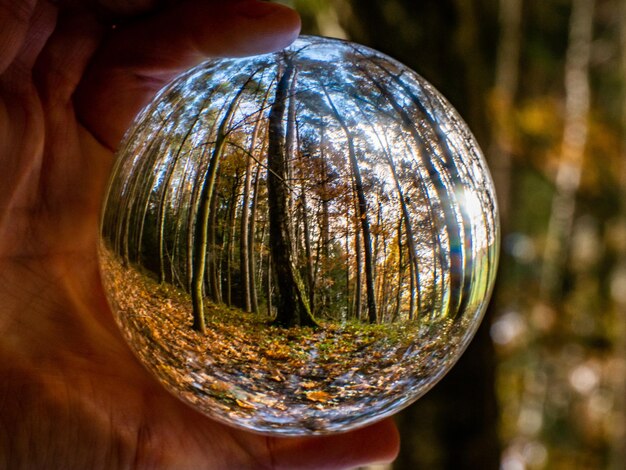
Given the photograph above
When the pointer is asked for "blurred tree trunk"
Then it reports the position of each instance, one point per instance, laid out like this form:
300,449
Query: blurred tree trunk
573,145
618,275
454,426
502,104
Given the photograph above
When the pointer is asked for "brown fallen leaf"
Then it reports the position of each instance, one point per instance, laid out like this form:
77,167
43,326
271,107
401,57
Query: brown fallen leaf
277,377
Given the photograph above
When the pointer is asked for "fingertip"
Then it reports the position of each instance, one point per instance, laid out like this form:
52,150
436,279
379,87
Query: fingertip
382,441
378,443
249,27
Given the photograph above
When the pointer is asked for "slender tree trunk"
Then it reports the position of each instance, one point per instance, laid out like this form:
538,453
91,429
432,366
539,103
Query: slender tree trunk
377,232
362,214
413,286
148,179
194,205
269,285
396,312
290,156
161,207
254,303
307,250
384,283
358,303
207,193
349,309
323,251
572,147
459,281
244,240
323,258
618,276
213,283
178,261
506,83
410,240
247,275
230,239
137,189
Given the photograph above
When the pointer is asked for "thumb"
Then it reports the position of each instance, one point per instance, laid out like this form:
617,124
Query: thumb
375,444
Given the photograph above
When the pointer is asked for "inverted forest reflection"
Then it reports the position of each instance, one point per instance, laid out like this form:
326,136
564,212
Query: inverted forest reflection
325,191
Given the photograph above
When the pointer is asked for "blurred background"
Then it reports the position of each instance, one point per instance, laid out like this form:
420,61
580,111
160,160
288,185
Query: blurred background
542,84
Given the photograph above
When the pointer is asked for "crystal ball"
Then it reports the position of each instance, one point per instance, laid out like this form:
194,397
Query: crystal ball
301,242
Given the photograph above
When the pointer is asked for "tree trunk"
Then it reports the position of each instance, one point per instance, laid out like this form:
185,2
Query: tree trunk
461,409
459,282
572,148
358,302
179,258
362,214
410,240
349,308
269,286
618,275
505,87
247,275
230,239
292,305
323,248
396,313
290,156
161,212
147,179
244,240
254,303
207,193
306,235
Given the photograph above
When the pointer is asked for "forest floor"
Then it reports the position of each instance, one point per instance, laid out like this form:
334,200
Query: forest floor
296,380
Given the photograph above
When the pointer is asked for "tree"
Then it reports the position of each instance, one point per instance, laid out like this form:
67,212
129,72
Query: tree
292,304
207,194
246,240
461,410
573,146
362,211
165,185
254,303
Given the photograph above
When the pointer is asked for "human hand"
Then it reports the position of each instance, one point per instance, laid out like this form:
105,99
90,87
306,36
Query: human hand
72,395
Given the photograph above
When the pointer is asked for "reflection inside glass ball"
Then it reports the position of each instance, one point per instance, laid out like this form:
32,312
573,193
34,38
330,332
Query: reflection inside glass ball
300,242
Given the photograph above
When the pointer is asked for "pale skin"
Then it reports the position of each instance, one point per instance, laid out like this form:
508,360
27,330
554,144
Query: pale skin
72,395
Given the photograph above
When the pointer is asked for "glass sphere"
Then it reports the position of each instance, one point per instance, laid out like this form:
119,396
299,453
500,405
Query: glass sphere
300,242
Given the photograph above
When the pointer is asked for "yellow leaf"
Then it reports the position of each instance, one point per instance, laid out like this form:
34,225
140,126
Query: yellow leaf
317,395
246,405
